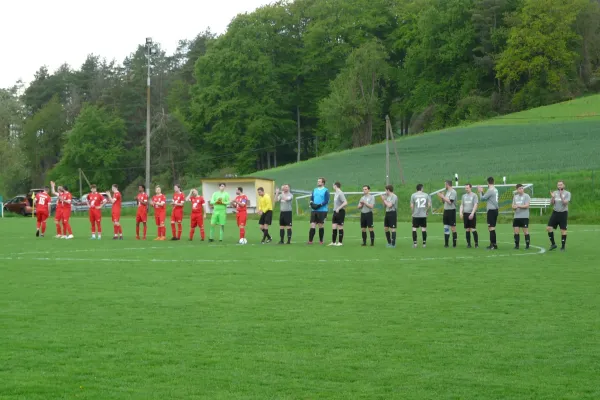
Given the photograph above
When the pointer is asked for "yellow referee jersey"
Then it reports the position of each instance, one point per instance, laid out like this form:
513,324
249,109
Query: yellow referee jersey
264,203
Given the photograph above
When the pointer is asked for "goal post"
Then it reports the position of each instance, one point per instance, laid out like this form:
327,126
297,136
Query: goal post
505,196
303,206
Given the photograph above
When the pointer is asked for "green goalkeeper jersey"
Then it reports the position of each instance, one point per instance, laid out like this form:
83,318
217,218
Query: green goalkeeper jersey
224,196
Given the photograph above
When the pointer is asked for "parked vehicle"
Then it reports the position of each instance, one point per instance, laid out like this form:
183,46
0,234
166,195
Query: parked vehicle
20,204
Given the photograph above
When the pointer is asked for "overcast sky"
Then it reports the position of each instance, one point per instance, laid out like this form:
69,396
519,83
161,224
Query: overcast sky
51,32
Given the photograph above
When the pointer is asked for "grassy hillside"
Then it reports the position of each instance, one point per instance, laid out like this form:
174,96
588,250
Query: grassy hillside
498,147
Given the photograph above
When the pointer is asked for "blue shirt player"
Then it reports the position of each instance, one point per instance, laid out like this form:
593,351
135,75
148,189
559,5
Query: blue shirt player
319,202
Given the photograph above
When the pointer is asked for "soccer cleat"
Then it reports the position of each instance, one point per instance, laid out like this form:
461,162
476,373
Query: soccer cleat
553,247
339,244
490,247
468,246
321,243
476,245
137,238
42,235
281,242
516,248
115,238
332,244
57,236
526,247
424,245
37,233
70,236
262,242
363,245
158,238
309,242
372,244
446,246
173,238
269,240
562,249
453,246
414,245
93,238
389,245
120,237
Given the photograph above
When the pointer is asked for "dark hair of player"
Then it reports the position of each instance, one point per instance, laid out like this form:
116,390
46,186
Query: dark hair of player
115,186
260,189
178,186
46,188
338,185
390,188
222,184
92,186
519,185
449,183
490,180
240,189
143,187
419,187
65,188
367,186
561,181
469,185
322,180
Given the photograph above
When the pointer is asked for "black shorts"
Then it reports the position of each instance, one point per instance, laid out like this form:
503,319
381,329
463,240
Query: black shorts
318,217
419,222
449,217
285,218
521,223
390,220
266,218
366,220
339,217
558,219
492,218
470,223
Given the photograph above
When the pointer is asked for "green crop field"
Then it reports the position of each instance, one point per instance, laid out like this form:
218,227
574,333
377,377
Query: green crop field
179,320
527,144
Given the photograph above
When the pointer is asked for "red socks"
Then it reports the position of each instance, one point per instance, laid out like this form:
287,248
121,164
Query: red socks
242,233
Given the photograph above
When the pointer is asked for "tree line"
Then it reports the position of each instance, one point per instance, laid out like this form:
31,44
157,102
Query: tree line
293,80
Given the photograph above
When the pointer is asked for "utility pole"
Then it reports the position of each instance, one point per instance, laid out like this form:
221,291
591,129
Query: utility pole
150,52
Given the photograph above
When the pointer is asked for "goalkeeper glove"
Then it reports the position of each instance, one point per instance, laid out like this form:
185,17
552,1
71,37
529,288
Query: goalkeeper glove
315,206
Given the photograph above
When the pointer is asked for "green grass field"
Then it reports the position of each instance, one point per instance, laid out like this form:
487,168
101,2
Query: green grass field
179,320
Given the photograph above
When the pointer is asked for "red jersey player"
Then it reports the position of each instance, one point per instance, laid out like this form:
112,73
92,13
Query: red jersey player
197,218
67,199
142,211
159,202
58,214
95,201
115,199
241,203
177,213
42,203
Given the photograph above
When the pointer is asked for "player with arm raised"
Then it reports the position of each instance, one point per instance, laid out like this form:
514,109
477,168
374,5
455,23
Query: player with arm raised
521,220
41,202
365,205
219,202
265,210
468,213
285,198
339,215
197,216
177,212
241,203
420,203
59,208
491,197
95,201
116,199
560,199
67,199
319,202
449,218
141,216
390,201
159,202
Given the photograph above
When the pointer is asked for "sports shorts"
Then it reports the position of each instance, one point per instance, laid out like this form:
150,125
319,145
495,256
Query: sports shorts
285,218
390,220
266,218
419,222
318,217
469,223
241,218
492,218
559,219
177,215
449,217
141,217
196,220
218,218
339,217
521,223
366,220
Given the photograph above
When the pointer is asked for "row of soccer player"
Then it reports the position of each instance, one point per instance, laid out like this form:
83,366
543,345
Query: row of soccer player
420,204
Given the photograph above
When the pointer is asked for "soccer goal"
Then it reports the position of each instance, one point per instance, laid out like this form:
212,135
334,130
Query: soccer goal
505,197
303,203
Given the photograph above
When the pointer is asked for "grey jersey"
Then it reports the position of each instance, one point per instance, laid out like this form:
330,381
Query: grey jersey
469,202
491,196
450,195
558,205
338,199
420,202
367,199
285,201
521,200
392,198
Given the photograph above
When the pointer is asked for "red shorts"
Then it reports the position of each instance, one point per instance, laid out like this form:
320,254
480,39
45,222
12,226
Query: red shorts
58,215
41,215
177,215
95,215
196,220
66,214
141,216
159,217
241,218
116,215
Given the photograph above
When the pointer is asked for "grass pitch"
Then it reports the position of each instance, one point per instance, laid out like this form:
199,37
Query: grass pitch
179,320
